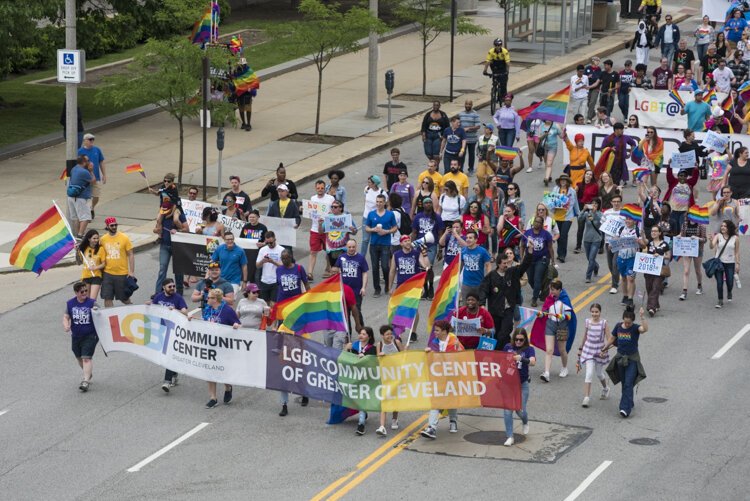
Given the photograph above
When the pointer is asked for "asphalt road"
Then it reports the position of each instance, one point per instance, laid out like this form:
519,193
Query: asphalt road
56,443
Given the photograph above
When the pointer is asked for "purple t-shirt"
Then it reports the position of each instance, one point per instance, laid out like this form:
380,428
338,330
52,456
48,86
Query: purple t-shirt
406,191
523,369
540,242
452,249
661,78
407,265
289,281
352,269
81,323
224,315
423,224
175,300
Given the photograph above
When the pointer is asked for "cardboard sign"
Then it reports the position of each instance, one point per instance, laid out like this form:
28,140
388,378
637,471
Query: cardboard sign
466,327
648,264
314,210
612,226
337,222
619,244
685,246
231,224
714,141
193,212
681,161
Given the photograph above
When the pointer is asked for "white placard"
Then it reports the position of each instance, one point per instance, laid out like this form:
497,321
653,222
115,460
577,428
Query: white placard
71,66
231,224
193,210
681,161
286,233
657,108
716,142
685,246
716,10
618,244
315,210
612,226
648,263
467,327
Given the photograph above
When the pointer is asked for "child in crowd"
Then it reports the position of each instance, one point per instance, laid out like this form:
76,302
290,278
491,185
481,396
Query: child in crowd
363,347
387,346
590,355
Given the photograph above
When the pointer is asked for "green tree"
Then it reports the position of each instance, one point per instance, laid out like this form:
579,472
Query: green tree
18,32
326,32
168,74
432,18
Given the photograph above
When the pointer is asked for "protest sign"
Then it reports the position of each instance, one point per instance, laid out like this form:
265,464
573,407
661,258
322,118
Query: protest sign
286,233
714,141
648,263
406,381
194,212
683,246
743,211
231,224
624,243
313,210
486,343
656,108
466,327
681,161
341,222
612,226
191,253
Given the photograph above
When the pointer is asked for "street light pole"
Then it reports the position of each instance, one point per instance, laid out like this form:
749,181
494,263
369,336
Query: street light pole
204,111
454,15
71,91
372,68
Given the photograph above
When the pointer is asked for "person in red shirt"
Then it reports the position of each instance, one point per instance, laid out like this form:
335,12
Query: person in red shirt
587,191
471,311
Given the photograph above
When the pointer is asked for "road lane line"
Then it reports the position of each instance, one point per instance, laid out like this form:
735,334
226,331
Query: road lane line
418,423
3,412
167,448
579,490
731,342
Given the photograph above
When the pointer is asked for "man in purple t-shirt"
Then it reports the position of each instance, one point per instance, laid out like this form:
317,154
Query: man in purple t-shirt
78,321
353,268
289,277
169,298
428,221
405,263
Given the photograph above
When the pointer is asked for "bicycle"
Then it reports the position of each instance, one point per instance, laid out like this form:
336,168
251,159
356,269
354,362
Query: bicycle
497,89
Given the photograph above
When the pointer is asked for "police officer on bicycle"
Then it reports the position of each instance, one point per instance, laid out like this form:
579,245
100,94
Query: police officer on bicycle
498,60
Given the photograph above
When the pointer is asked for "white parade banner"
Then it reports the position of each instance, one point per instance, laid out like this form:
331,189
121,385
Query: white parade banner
716,10
656,108
286,233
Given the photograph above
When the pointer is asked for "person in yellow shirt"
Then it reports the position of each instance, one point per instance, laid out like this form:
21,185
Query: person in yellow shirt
437,178
93,257
458,177
651,8
579,157
119,264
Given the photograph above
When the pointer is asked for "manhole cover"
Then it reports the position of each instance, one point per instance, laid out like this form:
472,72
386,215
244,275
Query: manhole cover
645,441
654,400
492,438
392,106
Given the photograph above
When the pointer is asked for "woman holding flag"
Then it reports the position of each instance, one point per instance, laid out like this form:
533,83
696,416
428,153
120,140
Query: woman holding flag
93,256
555,328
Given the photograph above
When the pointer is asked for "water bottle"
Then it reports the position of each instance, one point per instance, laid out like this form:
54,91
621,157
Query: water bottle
737,280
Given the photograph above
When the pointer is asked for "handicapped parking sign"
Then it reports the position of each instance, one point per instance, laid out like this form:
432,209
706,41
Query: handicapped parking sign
71,66
69,58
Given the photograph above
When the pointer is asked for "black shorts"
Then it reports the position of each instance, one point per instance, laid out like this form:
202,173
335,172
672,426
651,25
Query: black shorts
84,346
92,280
113,287
268,292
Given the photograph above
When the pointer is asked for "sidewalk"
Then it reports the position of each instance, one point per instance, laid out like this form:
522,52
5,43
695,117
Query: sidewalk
285,105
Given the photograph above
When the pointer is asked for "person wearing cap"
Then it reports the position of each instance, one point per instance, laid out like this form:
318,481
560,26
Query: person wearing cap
168,192
508,122
564,215
218,311
579,92
79,185
498,60
96,156
233,262
486,165
317,233
172,222
242,199
213,280
471,123
697,111
579,158
594,72
428,221
169,298
251,308
119,263
380,224
284,206
406,262
270,189
371,192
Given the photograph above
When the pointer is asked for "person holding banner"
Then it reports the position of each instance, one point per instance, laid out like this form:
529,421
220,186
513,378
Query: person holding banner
626,366
697,111
443,342
218,311
524,356
94,257
689,144
169,298
251,309
653,155
656,246
78,321
698,232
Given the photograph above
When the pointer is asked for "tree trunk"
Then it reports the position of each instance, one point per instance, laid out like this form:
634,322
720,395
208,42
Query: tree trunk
182,143
320,96
424,68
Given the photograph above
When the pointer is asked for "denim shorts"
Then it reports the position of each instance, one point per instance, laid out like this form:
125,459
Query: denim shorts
84,346
625,266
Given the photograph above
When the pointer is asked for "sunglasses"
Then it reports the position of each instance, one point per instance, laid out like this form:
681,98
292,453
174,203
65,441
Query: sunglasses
112,225
213,265
519,339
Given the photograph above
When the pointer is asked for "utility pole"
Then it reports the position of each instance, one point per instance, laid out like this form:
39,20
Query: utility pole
71,91
372,68
454,16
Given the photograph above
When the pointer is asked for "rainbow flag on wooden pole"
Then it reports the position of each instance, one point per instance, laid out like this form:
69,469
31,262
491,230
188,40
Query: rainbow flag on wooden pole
554,107
445,303
319,309
129,169
44,243
403,306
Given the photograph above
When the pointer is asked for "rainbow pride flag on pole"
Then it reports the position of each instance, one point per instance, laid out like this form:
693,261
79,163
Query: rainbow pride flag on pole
45,242
319,309
135,168
641,173
445,302
506,152
403,305
697,214
554,107
676,98
245,81
206,30
632,211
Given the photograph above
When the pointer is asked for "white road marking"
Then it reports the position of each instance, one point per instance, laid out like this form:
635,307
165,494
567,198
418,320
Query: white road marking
731,342
3,412
579,490
167,448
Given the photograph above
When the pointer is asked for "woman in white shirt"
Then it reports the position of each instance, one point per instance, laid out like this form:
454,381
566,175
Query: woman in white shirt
727,247
549,223
451,204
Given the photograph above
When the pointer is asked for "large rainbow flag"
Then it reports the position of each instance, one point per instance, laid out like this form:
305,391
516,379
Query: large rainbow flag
45,242
554,107
319,309
403,305
445,302
206,29
245,81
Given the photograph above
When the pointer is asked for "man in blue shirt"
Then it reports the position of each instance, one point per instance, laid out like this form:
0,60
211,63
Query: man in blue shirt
79,193
97,158
233,262
453,145
476,264
380,224
698,111
172,222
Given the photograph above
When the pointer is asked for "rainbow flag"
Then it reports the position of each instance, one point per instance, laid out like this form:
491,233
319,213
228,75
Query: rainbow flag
135,168
45,242
64,174
236,45
445,302
508,234
632,211
728,103
636,156
319,309
206,29
641,173
710,96
744,91
403,305
525,112
697,214
245,81
605,162
554,107
506,152
528,315
676,97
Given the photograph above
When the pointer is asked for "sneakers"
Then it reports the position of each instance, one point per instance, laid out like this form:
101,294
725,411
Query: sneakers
429,432
284,410
84,386
381,431
212,403
227,396
525,429
394,424
719,304
588,280
360,429
165,387
564,372
377,294
412,339
605,393
544,377
173,382
729,297
624,301
613,290
560,259
683,296
585,402
577,250
623,414
453,427
534,303
699,291
530,169
509,442
304,401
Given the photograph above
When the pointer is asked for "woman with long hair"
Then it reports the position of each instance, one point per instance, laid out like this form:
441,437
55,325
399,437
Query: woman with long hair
451,203
653,153
656,246
93,262
232,209
590,354
491,201
524,356
508,238
607,190
633,122
210,225
474,219
704,35
696,231
738,174
426,189
514,197
727,246
548,224
586,191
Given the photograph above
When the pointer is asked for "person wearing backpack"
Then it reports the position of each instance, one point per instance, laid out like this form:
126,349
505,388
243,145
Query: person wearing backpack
79,193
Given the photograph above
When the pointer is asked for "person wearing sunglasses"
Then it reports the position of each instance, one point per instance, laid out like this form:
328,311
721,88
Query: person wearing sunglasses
169,298
524,356
78,321
118,265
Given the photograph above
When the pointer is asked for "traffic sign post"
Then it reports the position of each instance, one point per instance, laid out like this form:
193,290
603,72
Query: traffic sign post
71,66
